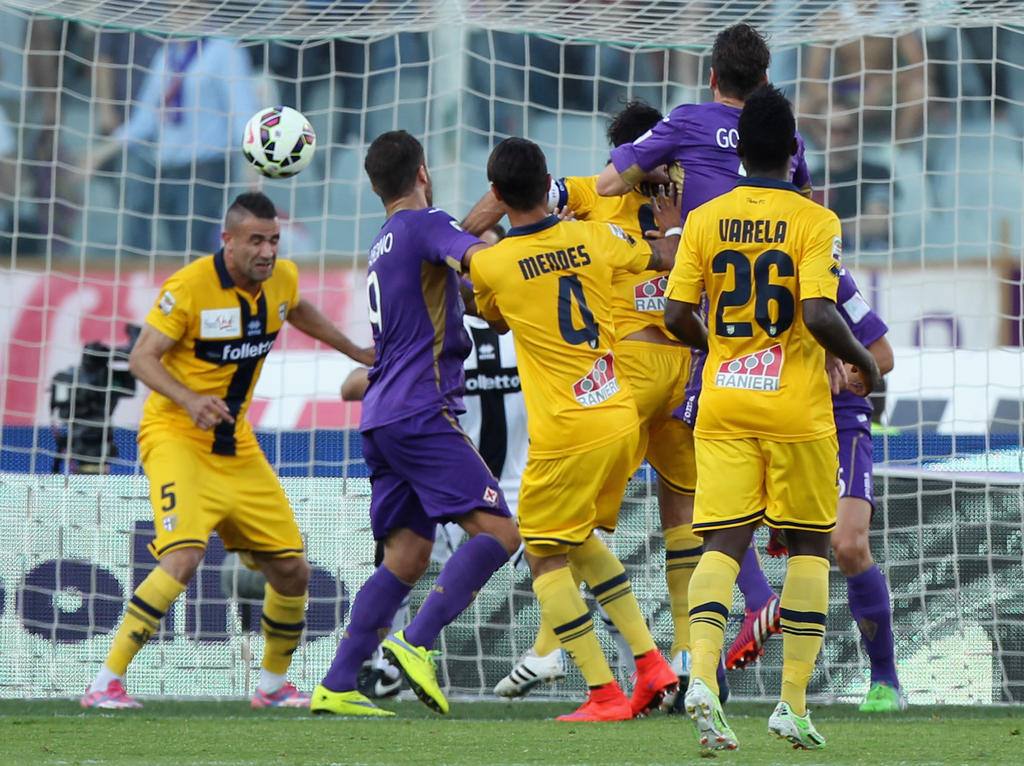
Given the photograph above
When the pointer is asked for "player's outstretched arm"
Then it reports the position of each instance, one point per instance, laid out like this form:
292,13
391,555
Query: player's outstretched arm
205,410
830,330
308,318
485,213
683,320
610,183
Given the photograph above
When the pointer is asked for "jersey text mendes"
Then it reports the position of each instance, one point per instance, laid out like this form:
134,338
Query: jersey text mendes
551,282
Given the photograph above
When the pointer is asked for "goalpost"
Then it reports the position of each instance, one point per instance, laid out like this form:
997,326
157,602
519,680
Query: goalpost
913,112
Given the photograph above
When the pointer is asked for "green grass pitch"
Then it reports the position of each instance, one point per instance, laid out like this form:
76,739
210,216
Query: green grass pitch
229,733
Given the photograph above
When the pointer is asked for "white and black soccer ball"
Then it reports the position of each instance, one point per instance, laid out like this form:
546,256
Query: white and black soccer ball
279,141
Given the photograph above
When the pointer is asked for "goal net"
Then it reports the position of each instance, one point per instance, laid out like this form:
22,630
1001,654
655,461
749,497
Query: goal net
913,114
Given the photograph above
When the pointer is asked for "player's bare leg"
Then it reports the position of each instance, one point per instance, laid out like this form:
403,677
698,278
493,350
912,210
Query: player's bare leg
870,607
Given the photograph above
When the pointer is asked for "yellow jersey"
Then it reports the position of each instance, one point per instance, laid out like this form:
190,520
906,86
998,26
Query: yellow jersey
758,251
638,300
551,283
223,335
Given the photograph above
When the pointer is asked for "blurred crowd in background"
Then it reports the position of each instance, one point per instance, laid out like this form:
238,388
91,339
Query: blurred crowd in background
110,147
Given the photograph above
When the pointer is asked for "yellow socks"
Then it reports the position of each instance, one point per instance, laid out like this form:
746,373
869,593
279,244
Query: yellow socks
142,616
682,552
607,580
546,641
282,624
803,607
563,608
710,598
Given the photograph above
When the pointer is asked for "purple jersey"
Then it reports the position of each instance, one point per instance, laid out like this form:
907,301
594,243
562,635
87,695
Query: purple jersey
698,142
416,312
852,411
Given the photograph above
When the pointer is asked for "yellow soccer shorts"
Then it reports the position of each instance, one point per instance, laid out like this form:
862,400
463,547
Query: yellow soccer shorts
788,485
194,492
657,375
563,499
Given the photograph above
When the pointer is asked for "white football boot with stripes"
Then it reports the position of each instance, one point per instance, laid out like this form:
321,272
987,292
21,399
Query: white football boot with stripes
531,670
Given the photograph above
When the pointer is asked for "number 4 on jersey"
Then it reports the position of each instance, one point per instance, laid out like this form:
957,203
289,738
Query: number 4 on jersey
570,292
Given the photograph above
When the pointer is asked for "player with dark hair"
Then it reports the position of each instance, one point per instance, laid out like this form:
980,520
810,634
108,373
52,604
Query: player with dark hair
423,467
769,259
495,419
698,142
201,352
867,590
656,366
631,122
549,281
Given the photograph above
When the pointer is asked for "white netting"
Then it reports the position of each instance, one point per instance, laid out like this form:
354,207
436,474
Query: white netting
664,23
913,112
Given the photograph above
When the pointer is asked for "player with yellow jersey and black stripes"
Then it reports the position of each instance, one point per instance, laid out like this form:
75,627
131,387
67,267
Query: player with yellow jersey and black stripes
201,352
769,259
549,281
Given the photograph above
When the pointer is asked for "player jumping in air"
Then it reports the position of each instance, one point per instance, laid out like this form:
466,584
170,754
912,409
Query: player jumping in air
549,281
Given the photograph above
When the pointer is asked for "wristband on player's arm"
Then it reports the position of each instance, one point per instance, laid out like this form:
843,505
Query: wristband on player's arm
675,231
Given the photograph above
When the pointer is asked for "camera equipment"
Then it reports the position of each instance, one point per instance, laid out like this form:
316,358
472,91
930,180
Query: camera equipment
83,398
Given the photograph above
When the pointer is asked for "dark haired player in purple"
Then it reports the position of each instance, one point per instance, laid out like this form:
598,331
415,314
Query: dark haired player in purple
423,467
698,141
865,583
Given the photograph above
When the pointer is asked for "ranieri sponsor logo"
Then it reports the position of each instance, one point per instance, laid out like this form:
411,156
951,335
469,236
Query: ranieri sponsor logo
649,295
599,385
759,371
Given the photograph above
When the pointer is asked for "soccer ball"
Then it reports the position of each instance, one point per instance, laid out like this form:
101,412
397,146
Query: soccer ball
278,141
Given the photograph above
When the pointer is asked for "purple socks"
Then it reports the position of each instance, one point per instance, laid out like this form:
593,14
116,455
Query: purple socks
469,568
752,582
374,607
869,605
